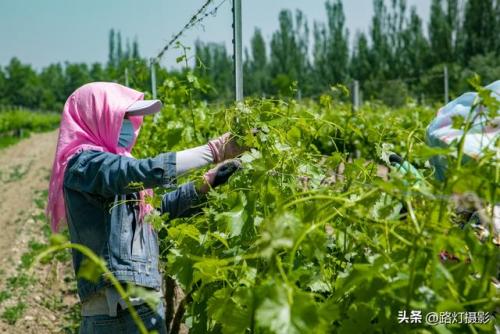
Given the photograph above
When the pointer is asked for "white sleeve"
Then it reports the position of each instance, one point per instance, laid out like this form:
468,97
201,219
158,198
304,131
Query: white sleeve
193,158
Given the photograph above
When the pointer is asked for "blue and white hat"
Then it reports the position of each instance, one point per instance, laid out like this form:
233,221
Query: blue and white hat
144,107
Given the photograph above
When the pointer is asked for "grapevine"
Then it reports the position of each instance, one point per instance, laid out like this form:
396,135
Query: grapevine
308,237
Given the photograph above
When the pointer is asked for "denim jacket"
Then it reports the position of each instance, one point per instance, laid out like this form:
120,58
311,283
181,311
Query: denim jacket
102,213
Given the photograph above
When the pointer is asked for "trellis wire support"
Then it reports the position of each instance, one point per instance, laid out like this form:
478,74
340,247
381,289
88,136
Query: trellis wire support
152,64
446,86
355,95
126,77
237,50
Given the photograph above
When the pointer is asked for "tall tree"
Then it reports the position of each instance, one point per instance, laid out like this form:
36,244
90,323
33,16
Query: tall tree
216,68
119,48
331,49
440,34
497,28
75,75
259,55
135,49
456,19
97,72
360,60
111,46
453,19
479,28
23,87
128,50
289,52
415,51
2,86
256,81
396,23
53,80
381,51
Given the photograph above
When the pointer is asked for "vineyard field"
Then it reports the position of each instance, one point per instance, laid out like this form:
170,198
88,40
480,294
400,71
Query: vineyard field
309,238
18,123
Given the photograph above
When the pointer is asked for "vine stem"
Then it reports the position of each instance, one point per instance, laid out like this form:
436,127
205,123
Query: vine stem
322,222
315,197
107,273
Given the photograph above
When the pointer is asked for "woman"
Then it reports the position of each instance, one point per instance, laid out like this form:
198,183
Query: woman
480,140
93,189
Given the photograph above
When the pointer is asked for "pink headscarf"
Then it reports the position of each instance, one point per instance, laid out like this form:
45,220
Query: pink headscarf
92,119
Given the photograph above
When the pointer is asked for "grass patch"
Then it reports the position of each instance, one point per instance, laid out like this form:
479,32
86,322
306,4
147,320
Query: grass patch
13,313
4,295
21,281
72,319
8,141
36,246
40,217
40,203
18,172
64,256
41,198
27,260
47,232
53,303
28,257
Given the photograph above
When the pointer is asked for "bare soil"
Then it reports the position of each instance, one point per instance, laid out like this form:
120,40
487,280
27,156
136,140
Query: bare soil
49,301
45,293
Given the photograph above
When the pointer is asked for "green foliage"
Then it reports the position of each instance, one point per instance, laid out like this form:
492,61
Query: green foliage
27,120
17,173
12,313
479,27
331,47
394,93
216,69
289,61
22,85
398,48
89,271
441,28
17,124
28,257
307,238
4,295
21,281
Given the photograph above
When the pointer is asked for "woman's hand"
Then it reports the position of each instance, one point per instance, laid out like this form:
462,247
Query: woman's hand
225,147
218,175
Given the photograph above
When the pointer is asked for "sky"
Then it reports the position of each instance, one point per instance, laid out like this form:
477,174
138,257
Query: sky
41,32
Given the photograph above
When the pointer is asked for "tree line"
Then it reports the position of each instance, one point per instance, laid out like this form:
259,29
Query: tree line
48,89
398,57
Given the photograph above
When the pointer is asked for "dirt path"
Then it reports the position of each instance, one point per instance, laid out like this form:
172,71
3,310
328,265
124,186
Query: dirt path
24,169
41,299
